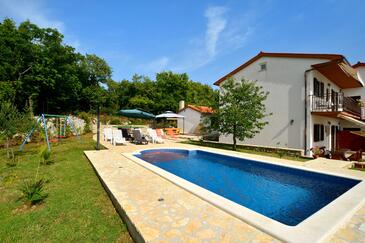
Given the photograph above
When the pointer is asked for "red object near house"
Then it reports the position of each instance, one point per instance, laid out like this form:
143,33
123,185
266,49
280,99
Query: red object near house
349,140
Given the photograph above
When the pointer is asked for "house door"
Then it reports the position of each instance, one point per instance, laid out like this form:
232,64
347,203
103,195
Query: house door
334,130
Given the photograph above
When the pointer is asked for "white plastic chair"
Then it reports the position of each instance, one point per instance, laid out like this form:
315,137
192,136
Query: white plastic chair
155,139
118,137
108,135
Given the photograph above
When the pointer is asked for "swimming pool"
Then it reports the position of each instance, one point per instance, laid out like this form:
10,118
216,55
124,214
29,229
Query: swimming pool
284,194
285,201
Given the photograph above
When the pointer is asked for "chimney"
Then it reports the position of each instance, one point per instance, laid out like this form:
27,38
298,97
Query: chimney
181,104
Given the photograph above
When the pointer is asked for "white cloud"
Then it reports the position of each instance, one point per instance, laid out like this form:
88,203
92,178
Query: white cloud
216,24
222,35
35,11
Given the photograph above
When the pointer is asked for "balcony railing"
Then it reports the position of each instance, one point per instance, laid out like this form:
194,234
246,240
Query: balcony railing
335,103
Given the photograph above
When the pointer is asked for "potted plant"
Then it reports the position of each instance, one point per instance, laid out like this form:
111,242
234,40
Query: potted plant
316,152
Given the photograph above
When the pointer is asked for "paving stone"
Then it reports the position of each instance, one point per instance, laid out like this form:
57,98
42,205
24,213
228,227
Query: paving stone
181,216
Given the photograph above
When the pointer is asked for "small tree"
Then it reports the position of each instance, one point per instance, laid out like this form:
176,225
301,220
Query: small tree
9,119
241,109
12,122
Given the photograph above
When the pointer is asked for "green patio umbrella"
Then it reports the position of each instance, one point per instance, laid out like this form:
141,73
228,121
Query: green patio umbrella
135,113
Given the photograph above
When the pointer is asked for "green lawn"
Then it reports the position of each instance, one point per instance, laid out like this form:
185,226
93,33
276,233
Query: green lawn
282,154
77,208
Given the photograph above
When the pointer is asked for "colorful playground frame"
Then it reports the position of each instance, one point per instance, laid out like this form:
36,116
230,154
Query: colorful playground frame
42,119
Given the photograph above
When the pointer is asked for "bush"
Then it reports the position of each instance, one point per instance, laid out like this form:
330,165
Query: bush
45,155
213,136
87,118
13,160
104,119
115,121
33,191
281,153
68,132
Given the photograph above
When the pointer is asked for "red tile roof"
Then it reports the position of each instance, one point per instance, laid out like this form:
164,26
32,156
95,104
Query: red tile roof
270,54
359,64
201,109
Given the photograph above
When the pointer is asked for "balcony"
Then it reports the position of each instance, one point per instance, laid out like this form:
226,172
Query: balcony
333,104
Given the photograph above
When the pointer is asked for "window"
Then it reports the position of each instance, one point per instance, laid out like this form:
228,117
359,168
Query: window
318,134
263,67
318,88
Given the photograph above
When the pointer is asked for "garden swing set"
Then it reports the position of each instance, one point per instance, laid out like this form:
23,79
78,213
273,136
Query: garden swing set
62,121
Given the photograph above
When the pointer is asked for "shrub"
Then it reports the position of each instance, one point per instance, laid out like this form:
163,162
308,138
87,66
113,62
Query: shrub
33,191
104,119
115,121
45,155
281,153
87,118
68,131
213,136
13,160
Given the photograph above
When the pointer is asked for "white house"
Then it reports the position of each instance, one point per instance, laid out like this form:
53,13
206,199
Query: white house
312,97
193,118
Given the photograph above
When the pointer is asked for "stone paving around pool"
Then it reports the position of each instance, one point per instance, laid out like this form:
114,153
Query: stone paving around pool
157,210
179,217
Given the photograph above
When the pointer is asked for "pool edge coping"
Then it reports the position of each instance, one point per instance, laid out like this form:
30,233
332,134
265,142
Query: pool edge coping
316,228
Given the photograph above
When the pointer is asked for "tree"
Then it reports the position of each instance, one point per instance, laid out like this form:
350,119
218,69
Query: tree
36,65
11,123
97,69
241,109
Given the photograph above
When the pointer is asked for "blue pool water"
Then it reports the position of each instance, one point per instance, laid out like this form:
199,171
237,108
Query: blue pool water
284,194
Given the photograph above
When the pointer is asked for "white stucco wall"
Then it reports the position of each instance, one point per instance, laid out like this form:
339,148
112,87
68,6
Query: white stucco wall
192,120
322,120
327,122
284,79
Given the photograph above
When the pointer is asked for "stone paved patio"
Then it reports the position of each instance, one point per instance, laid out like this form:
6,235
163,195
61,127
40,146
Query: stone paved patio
181,216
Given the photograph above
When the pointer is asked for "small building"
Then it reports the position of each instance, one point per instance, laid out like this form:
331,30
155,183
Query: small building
193,118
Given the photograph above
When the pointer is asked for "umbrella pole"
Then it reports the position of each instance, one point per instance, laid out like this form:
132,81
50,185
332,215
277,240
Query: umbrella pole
98,129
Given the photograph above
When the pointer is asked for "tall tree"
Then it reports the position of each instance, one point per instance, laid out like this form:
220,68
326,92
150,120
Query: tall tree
171,88
241,109
35,64
96,74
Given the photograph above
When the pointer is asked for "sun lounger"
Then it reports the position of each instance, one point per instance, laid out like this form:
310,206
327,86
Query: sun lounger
126,134
118,137
339,155
356,156
138,138
160,133
153,135
108,135
171,134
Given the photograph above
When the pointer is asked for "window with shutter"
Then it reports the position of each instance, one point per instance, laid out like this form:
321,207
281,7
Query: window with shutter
318,88
318,132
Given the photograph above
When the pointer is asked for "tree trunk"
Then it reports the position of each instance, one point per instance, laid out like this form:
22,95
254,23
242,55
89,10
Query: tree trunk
234,138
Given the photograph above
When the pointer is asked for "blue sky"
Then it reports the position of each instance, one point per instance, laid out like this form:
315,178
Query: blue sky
205,39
